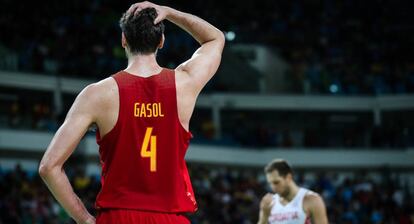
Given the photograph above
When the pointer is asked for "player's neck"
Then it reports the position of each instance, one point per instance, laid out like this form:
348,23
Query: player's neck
293,191
143,65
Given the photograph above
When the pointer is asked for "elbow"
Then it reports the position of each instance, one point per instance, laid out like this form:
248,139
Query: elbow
45,169
221,38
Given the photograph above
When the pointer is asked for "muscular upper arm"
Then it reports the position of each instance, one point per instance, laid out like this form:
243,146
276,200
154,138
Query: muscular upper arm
316,208
204,63
80,116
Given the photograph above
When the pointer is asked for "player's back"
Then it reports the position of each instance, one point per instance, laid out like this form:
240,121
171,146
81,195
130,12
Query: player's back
142,157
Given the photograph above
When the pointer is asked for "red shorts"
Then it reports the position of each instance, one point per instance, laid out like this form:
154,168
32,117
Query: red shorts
110,216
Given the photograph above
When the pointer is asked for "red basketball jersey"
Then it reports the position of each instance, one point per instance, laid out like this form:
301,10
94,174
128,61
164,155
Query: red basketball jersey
142,157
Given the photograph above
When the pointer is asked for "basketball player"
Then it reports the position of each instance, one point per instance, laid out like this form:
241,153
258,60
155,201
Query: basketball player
142,114
290,204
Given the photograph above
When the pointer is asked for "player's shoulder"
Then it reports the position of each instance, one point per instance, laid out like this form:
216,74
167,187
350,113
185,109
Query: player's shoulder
106,84
312,199
101,86
184,81
311,195
181,74
100,91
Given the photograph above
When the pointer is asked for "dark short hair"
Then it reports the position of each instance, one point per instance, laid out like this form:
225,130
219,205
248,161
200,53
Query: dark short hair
142,35
281,165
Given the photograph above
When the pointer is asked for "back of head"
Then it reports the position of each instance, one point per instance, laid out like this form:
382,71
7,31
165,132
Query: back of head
282,167
142,35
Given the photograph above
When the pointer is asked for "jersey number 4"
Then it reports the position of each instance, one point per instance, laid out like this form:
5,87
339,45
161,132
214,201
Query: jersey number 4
151,151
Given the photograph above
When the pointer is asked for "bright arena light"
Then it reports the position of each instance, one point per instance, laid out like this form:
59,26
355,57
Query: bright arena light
230,36
333,88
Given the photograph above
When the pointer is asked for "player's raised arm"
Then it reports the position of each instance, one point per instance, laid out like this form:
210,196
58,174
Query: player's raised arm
206,60
79,118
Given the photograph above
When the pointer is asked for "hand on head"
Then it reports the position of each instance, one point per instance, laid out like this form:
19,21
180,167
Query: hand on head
161,10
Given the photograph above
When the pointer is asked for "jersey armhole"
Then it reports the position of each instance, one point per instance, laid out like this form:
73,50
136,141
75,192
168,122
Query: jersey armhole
308,215
177,117
100,138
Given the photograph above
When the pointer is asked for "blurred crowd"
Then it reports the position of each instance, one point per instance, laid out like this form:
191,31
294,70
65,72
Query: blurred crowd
257,129
295,129
224,194
335,47
74,38
32,116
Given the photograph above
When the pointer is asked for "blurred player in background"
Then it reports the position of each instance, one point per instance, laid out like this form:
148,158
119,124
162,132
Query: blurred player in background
142,114
289,204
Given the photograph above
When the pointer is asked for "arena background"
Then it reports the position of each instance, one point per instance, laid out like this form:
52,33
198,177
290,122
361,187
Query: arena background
327,85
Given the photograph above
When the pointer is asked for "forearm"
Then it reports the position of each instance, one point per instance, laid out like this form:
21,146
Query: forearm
200,29
58,183
263,218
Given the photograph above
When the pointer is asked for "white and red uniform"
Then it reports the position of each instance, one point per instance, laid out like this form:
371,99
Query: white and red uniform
292,212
